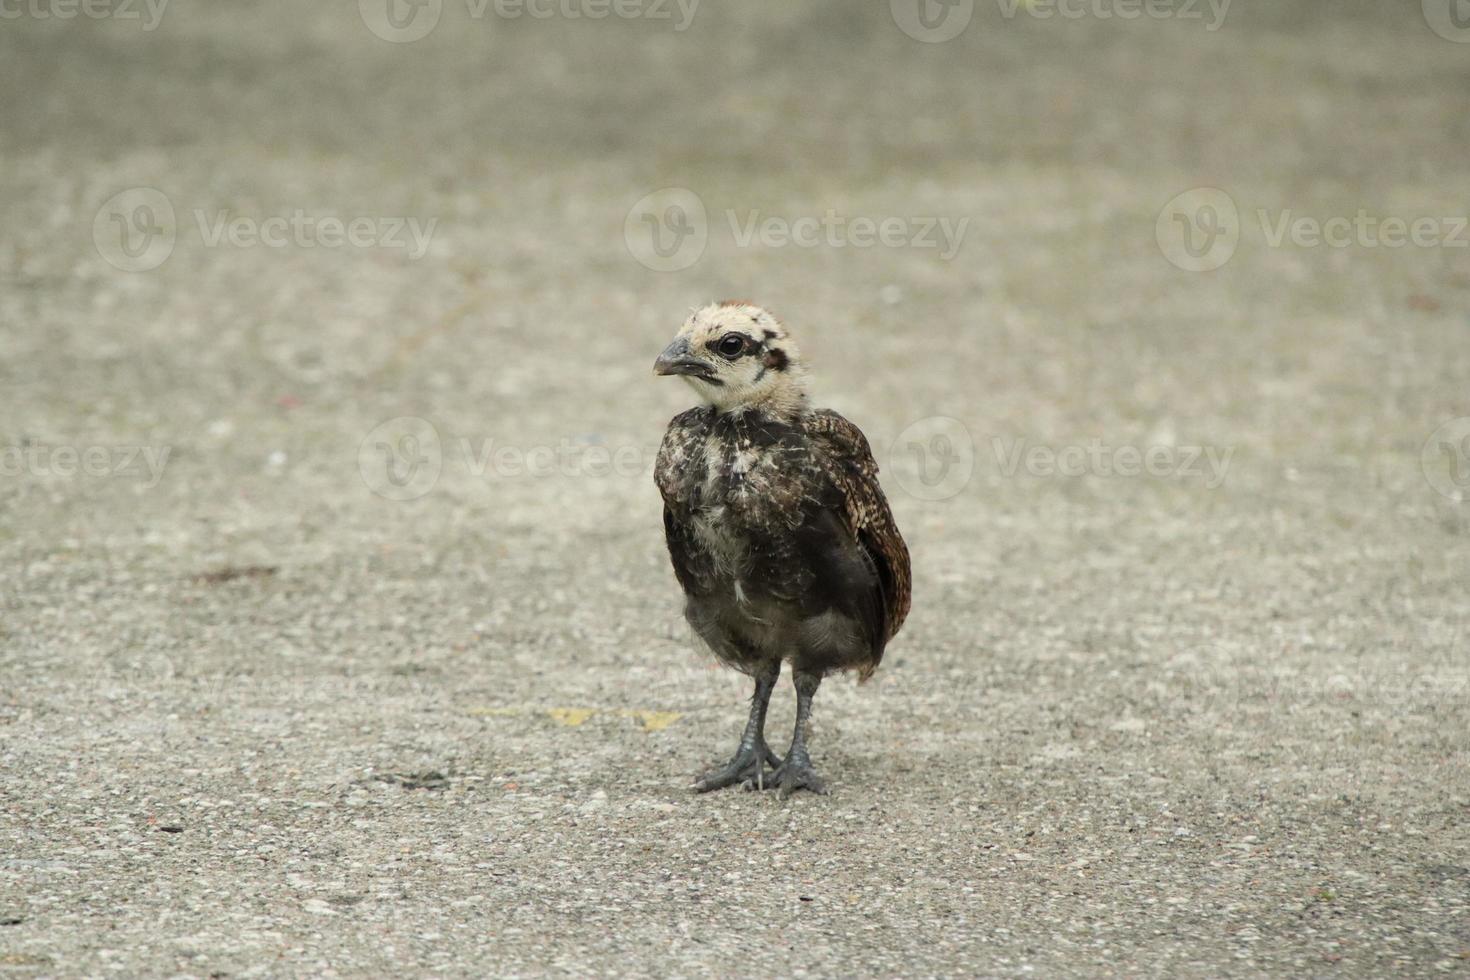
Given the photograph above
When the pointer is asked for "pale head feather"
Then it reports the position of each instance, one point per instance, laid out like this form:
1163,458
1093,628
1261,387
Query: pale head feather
767,371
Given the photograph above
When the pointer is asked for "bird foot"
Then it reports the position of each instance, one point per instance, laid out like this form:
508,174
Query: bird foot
793,775
748,768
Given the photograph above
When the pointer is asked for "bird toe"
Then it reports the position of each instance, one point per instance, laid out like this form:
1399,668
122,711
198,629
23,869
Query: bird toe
793,778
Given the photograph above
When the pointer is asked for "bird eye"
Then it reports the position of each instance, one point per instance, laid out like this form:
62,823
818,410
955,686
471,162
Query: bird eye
731,346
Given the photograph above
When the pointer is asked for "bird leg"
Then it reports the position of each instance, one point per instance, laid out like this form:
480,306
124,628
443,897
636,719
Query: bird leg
748,764
796,772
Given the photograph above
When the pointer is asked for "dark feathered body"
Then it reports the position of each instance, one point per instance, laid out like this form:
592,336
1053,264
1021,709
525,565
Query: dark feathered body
781,538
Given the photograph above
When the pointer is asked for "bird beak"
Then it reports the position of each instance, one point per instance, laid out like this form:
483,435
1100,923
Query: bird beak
677,359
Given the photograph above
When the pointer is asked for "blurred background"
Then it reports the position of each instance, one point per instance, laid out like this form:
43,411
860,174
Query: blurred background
327,532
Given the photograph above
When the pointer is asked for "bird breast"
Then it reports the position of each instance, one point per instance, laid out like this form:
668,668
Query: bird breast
745,496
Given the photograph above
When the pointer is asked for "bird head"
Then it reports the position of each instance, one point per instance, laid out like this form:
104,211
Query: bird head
736,355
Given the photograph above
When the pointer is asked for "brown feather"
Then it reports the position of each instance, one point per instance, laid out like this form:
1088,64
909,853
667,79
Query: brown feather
849,464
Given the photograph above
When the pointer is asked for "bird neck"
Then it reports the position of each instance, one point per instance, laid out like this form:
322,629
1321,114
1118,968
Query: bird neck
784,403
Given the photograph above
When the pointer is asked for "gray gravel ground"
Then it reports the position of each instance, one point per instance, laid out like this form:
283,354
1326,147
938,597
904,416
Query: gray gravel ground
261,716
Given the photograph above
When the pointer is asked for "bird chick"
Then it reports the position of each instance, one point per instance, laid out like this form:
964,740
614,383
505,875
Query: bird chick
777,529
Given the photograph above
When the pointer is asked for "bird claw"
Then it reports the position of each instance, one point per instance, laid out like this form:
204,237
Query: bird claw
748,769
794,776
765,779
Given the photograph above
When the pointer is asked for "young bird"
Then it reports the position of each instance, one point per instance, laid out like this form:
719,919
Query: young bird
777,529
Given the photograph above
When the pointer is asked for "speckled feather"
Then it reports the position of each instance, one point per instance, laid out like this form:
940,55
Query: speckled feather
848,463
784,511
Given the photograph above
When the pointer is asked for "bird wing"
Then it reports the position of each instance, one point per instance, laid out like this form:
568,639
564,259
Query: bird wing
682,446
848,465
